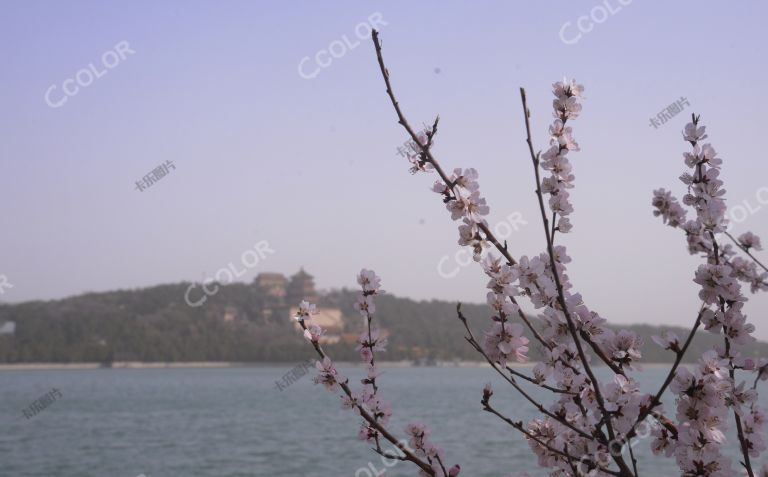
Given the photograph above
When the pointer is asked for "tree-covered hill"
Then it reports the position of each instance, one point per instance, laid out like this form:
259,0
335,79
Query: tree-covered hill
240,324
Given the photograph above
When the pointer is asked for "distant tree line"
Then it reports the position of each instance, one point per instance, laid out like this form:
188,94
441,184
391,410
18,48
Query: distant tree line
156,325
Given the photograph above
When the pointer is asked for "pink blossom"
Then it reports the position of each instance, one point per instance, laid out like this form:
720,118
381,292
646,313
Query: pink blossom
306,310
668,208
374,342
505,341
716,281
694,133
313,333
625,346
466,178
365,305
668,340
326,374
369,281
749,240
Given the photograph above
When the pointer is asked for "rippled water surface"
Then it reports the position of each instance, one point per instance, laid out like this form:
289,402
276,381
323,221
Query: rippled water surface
234,422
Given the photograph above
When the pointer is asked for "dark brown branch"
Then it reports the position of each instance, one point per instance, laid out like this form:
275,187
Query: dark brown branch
427,153
429,158
371,420
539,384
560,293
656,401
732,374
471,339
760,372
519,426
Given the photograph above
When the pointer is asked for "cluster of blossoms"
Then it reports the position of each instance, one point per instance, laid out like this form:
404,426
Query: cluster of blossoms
460,192
706,196
569,426
703,399
702,419
583,402
504,340
370,342
418,440
706,397
668,208
566,106
462,199
415,153
326,371
584,431
744,269
371,286
306,310
367,402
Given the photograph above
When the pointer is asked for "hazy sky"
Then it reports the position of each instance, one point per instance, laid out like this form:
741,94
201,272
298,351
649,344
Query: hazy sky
263,153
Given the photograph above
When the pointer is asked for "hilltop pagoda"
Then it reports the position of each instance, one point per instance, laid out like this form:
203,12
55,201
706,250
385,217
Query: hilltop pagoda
301,287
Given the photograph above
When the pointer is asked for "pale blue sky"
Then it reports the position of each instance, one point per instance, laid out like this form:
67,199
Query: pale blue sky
310,165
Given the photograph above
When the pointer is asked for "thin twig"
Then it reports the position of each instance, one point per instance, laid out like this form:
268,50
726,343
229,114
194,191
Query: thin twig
746,250
670,375
471,339
560,293
519,426
370,419
732,373
760,372
428,157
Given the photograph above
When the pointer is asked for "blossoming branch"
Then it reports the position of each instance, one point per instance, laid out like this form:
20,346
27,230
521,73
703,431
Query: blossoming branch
584,427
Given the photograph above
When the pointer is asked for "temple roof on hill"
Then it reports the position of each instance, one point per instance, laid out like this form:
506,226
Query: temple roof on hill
301,274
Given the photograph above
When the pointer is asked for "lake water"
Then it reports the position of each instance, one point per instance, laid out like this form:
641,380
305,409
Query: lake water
234,422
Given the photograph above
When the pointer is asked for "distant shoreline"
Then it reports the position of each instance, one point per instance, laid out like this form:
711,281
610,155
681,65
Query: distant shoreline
223,364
